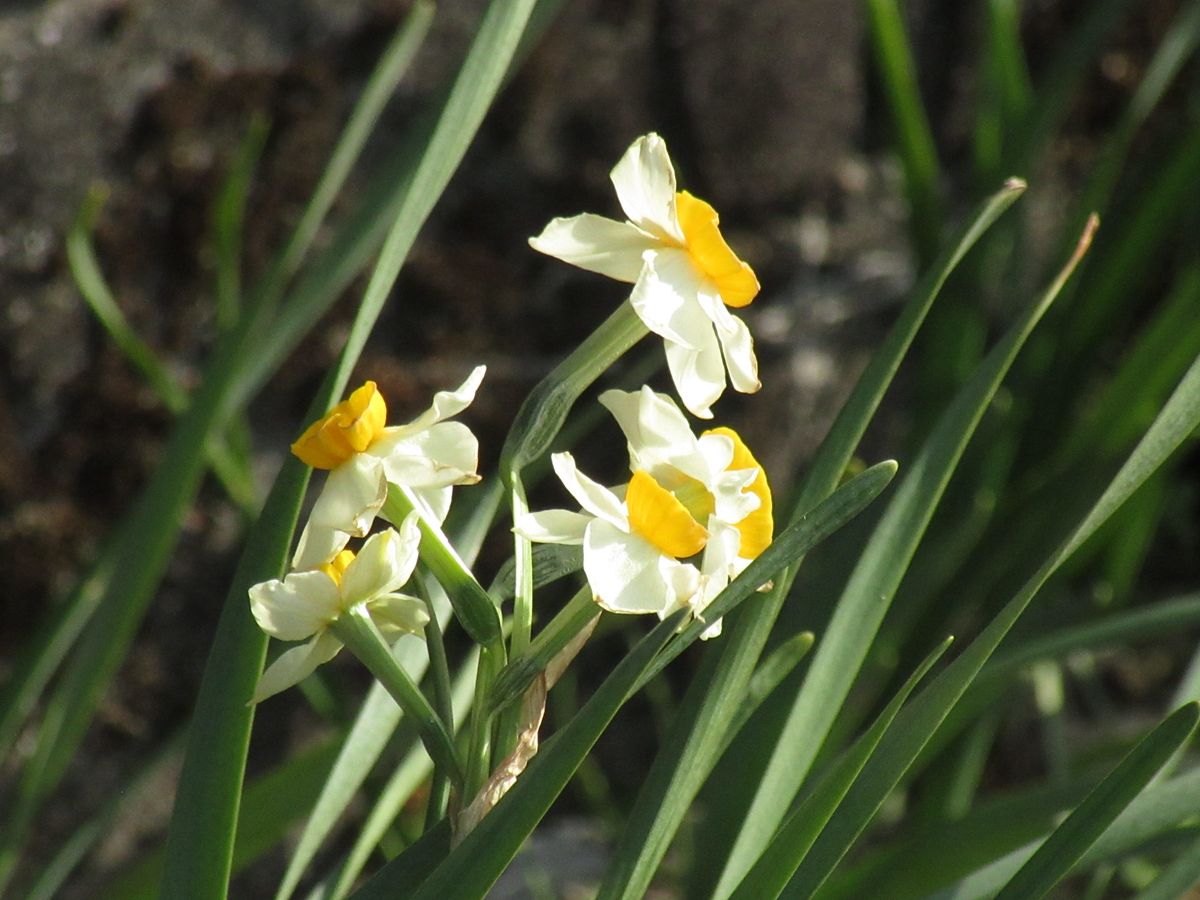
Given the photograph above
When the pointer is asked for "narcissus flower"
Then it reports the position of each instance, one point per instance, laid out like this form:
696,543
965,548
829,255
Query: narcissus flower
685,277
304,604
362,454
689,499
631,546
714,478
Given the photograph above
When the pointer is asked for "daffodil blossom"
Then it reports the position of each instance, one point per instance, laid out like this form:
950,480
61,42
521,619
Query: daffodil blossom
630,552
685,277
303,605
714,478
428,456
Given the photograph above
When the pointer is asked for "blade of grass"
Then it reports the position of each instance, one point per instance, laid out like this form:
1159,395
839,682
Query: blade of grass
198,848
1176,879
272,803
229,215
1156,811
871,586
771,871
1067,843
399,789
914,138
89,279
896,752
715,694
477,862
138,551
829,465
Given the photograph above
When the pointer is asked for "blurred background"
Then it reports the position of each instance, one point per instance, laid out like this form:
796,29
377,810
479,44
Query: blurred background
774,111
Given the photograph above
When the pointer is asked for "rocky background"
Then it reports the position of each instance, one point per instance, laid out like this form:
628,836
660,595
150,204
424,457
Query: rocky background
769,111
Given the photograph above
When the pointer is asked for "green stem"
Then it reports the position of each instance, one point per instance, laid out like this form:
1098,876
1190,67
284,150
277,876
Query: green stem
439,672
479,755
473,606
520,672
355,629
545,409
522,620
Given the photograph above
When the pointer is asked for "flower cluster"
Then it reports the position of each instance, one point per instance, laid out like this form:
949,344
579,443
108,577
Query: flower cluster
694,513
428,457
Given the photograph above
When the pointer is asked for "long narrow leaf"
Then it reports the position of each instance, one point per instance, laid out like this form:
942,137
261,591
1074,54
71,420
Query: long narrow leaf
199,847
787,849
1178,419
1054,858
872,585
477,862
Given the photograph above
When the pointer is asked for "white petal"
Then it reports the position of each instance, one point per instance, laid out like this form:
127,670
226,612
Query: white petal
347,505
445,404
699,375
297,607
682,579
718,568
397,614
294,665
623,571
717,450
384,563
645,184
666,298
737,345
434,502
592,496
445,453
553,526
733,501
597,244
318,545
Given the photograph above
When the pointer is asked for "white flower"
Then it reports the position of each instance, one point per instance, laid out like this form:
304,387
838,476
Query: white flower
684,275
714,477
302,605
630,546
428,455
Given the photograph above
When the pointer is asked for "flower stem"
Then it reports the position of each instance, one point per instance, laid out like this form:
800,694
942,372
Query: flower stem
439,673
545,409
479,755
355,629
516,677
473,606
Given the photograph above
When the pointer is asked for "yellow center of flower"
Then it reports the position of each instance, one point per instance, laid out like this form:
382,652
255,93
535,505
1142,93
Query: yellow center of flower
350,427
337,566
734,279
758,527
662,519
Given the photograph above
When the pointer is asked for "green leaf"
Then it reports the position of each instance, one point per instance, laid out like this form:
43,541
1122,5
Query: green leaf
1155,812
914,138
550,563
1067,843
474,865
1176,879
272,803
745,642
228,218
409,775
770,873
715,694
923,716
198,849
870,588
542,414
